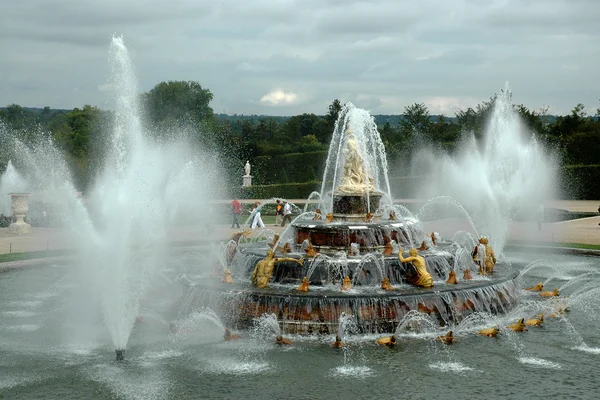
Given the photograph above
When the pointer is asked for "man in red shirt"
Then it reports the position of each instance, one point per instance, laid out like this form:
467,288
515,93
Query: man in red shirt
236,208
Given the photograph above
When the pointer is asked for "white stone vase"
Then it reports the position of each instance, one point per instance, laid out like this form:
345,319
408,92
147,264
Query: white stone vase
20,207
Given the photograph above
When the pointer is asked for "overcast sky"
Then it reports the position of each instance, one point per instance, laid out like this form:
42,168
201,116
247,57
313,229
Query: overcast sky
285,57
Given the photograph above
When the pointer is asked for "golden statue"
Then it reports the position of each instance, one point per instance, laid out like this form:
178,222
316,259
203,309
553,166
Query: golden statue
535,321
355,178
304,285
369,217
518,326
285,249
237,235
386,285
338,344
264,269
275,240
560,311
310,250
329,217
423,246
227,278
317,216
389,341
552,293
448,338
452,278
433,237
537,288
486,266
389,249
489,332
467,275
280,340
229,336
423,277
392,216
347,284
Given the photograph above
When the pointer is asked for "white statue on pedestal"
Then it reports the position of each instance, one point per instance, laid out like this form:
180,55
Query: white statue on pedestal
247,178
20,207
355,179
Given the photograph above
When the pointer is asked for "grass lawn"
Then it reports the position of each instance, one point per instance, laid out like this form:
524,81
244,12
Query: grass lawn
32,254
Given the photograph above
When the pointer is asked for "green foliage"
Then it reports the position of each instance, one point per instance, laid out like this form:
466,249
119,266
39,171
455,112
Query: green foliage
178,103
295,165
283,176
580,182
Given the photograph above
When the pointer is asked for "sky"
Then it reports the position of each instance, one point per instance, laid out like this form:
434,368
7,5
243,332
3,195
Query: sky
287,57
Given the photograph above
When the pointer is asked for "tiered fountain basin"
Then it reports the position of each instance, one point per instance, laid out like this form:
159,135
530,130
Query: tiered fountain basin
375,309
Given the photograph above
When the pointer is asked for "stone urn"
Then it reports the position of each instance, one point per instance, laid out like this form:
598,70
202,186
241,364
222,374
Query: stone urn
20,207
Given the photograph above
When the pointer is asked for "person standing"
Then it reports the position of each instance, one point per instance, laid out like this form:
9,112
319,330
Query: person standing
257,220
287,213
236,209
278,212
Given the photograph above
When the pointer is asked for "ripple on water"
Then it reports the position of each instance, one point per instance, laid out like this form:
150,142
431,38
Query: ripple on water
25,304
455,367
585,349
22,328
237,367
352,371
160,355
539,363
19,313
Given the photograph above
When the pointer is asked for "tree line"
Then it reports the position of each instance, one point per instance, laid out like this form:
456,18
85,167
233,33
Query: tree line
173,107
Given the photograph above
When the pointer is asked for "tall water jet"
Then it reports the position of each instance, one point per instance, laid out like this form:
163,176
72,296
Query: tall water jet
510,172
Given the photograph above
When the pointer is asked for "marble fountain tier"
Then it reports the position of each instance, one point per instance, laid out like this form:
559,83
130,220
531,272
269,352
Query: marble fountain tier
344,260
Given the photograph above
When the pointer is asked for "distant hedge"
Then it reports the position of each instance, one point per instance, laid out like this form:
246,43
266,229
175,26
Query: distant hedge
292,167
286,190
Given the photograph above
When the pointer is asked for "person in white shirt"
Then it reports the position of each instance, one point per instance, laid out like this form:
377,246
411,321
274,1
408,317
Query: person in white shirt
287,213
257,221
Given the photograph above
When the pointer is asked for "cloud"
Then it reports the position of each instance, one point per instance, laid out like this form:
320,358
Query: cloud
278,97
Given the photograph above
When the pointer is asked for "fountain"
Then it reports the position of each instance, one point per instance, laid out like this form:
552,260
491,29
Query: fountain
378,287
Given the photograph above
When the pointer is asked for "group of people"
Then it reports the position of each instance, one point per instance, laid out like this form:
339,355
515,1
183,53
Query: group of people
283,214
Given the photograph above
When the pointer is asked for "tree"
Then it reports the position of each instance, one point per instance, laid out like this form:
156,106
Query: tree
416,119
179,102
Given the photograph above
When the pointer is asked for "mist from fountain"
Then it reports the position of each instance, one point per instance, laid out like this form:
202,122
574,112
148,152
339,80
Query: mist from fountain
143,188
510,172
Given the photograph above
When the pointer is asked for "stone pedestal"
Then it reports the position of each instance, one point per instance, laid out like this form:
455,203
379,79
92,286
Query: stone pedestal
355,204
20,207
247,180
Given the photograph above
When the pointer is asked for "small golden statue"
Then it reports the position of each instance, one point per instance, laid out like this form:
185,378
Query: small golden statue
560,311
310,250
448,338
285,249
229,336
280,340
486,266
347,284
304,285
537,288
452,278
338,344
389,341
518,326
317,216
237,235
423,277
467,274
227,278
329,217
264,269
369,217
392,216
389,249
550,293
275,240
433,237
489,332
423,246
535,321
386,285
